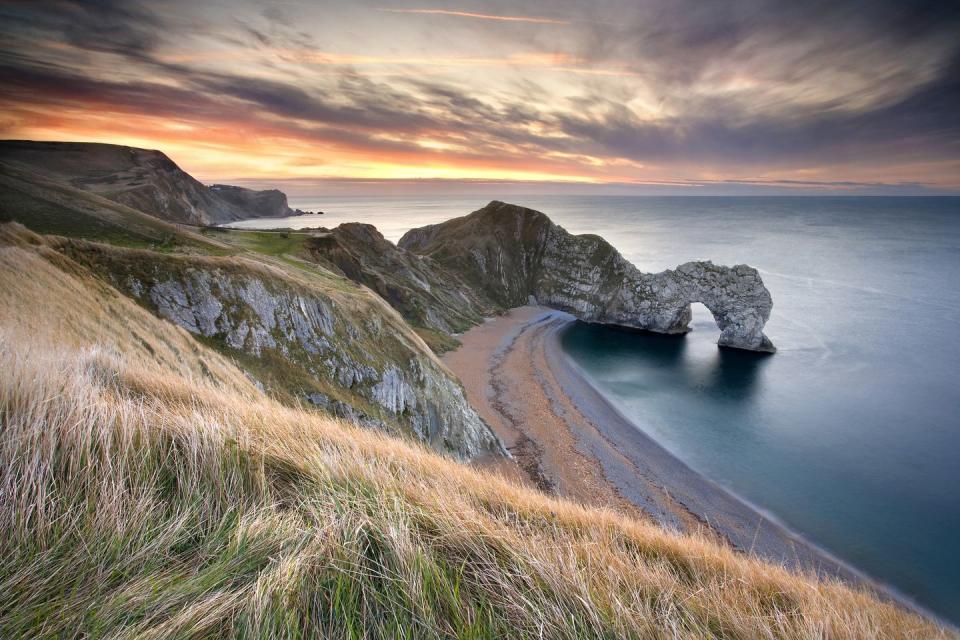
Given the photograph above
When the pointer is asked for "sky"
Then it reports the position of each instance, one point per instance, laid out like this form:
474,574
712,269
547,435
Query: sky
616,96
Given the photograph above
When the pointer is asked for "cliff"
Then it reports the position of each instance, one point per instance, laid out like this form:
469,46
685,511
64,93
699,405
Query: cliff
49,206
512,255
302,339
305,334
268,203
143,179
171,450
425,293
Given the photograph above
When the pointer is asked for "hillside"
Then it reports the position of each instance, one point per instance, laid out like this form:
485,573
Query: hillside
428,296
295,334
152,490
143,179
305,334
49,206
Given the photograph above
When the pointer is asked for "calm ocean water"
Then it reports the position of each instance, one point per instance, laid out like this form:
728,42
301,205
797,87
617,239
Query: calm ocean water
850,435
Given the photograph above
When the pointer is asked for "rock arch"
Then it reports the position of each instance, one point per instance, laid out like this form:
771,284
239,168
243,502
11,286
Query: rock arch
660,302
510,253
735,296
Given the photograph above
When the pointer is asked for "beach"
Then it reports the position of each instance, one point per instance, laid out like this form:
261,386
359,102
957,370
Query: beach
567,439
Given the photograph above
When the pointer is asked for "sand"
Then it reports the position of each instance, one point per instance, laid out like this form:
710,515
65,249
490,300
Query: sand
566,438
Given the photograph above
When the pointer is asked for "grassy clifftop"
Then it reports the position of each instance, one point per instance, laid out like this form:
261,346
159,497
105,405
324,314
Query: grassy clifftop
50,206
151,490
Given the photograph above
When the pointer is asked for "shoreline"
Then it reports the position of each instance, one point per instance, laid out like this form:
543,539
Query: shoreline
568,439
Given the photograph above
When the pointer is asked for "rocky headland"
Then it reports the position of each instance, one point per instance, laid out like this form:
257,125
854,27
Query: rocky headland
448,276
515,255
143,179
287,305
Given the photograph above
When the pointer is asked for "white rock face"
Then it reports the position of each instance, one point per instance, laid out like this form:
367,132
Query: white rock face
512,253
660,302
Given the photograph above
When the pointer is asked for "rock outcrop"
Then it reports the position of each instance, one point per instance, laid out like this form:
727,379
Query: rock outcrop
143,179
268,203
343,351
424,292
511,254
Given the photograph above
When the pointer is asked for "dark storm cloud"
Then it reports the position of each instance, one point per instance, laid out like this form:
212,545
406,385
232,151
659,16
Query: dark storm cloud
51,88
111,26
133,32
351,109
830,79
366,107
359,103
922,124
242,102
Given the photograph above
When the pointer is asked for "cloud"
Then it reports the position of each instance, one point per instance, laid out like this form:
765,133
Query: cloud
922,123
478,16
683,83
366,120
766,56
127,28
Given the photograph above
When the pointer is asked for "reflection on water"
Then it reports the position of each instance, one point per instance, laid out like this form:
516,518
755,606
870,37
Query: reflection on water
795,433
631,343
851,432
736,373
729,375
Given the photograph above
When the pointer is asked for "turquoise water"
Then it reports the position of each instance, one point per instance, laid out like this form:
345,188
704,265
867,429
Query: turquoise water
850,434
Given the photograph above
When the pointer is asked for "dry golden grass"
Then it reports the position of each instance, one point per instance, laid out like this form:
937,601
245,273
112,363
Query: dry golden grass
149,490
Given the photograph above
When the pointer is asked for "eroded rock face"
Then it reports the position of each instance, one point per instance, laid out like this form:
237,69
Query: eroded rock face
350,356
421,290
244,312
511,253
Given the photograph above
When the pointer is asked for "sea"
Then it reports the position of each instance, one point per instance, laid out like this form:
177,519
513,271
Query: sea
850,434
